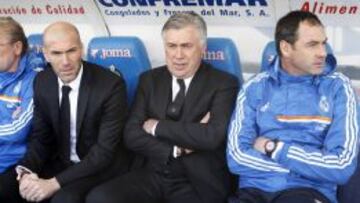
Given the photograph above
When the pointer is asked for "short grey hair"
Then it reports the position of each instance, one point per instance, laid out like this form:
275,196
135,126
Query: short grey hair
14,31
184,19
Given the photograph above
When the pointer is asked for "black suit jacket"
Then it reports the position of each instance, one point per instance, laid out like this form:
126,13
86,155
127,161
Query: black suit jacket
211,91
101,115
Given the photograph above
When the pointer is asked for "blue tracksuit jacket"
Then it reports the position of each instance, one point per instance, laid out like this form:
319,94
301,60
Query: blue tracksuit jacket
16,108
315,117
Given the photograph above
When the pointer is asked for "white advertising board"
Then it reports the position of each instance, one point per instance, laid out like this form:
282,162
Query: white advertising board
35,15
331,12
215,12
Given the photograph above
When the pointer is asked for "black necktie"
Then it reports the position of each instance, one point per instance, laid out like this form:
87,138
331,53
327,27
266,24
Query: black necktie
65,121
174,109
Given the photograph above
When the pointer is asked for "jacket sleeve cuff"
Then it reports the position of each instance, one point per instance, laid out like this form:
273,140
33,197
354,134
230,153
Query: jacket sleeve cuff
160,129
153,129
21,170
60,180
280,152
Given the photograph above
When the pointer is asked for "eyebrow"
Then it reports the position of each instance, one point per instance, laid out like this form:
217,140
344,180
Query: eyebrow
63,52
317,42
181,44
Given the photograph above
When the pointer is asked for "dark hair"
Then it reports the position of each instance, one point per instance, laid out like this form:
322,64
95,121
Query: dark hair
15,32
287,27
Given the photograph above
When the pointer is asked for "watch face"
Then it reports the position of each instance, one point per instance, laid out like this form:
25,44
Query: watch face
270,146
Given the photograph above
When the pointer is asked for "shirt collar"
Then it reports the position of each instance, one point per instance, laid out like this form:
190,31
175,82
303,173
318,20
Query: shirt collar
187,81
75,84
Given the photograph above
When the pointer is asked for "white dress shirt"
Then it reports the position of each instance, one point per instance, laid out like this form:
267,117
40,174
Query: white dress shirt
73,97
175,89
176,86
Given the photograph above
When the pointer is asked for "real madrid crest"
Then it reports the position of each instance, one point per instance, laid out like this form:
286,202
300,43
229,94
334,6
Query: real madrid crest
324,104
17,87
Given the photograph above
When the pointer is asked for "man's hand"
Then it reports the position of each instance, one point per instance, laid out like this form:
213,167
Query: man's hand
259,144
149,125
25,180
205,119
37,189
26,183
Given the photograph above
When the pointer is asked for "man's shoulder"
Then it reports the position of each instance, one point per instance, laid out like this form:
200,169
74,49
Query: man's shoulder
337,76
334,82
101,73
218,73
218,76
258,78
46,74
257,85
158,72
94,68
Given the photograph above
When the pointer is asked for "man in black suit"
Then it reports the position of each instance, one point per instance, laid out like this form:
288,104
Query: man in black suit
178,125
80,111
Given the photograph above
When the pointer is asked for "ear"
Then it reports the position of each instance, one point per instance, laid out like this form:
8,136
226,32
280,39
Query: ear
46,54
18,48
204,48
82,50
285,48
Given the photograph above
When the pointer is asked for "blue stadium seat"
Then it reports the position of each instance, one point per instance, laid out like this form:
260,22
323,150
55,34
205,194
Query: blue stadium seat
35,47
35,42
124,55
270,53
223,54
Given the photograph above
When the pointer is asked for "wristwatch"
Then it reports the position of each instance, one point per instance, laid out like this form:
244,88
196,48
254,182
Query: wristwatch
270,147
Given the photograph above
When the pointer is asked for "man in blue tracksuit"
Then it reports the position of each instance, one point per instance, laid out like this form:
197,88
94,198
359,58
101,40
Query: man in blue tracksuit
293,136
17,67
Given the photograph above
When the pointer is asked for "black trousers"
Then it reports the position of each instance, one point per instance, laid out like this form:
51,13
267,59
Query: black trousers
294,195
350,192
145,186
9,187
76,191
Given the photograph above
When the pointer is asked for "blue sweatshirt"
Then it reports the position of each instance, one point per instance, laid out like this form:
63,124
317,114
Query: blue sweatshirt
16,108
315,118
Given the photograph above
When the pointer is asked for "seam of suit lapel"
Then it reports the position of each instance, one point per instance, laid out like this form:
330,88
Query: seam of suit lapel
83,97
194,92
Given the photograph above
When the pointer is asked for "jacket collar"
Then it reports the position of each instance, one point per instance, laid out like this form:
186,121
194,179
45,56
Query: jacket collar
279,75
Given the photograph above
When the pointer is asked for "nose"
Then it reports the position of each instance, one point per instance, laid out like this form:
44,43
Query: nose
179,53
65,58
322,51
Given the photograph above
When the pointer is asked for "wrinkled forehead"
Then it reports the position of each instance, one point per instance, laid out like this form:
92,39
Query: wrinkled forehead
4,35
186,34
62,37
